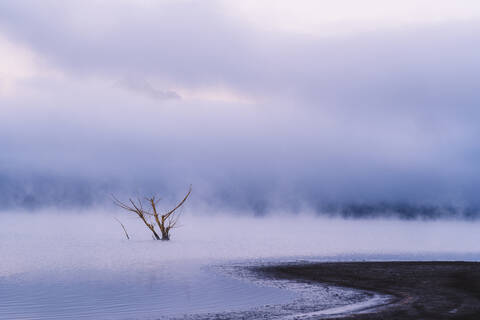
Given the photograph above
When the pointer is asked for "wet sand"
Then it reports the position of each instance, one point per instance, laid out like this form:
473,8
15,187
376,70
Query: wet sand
421,290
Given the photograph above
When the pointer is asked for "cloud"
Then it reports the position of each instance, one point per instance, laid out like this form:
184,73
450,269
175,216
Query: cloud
387,115
142,86
200,45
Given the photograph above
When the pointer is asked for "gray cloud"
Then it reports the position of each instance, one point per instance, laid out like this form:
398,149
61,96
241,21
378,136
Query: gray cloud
142,86
198,45
384,117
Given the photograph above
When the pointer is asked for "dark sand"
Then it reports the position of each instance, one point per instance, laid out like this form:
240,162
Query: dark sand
422,290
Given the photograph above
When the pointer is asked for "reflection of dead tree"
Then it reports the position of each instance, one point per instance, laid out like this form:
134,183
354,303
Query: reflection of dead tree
165,222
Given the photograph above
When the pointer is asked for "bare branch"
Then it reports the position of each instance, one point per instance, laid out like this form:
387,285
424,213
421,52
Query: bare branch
164,222
138,209
124,229
178,205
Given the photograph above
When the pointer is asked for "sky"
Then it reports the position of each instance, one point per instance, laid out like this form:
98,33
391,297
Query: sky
261,106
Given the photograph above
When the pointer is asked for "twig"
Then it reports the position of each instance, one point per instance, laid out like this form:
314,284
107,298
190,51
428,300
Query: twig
124,229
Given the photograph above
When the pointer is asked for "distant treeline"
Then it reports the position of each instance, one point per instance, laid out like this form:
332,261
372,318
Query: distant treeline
43,191
36,192
401,210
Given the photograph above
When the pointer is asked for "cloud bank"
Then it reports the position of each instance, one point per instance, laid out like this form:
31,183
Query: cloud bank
379,119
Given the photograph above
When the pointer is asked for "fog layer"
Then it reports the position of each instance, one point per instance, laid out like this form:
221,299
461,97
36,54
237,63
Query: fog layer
75,242
136,99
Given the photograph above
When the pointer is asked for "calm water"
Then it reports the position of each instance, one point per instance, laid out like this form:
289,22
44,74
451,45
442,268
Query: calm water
72,266
143,295
151,293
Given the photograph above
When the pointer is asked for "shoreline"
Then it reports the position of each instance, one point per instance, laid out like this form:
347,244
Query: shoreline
311,300
420,290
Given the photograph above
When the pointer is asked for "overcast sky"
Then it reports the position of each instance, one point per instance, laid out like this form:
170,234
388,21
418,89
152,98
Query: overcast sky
257,104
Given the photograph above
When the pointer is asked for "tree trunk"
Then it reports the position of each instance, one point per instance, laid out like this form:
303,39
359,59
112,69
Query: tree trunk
165,236
157,237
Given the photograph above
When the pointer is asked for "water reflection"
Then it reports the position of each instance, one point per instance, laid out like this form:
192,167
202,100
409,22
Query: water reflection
146,295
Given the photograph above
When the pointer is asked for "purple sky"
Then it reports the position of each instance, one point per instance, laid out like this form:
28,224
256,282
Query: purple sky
279,104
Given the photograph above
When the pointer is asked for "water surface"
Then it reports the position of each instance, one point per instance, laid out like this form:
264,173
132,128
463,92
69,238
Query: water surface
147,295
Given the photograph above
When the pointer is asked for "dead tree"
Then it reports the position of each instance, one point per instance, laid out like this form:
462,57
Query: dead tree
124,229
164,222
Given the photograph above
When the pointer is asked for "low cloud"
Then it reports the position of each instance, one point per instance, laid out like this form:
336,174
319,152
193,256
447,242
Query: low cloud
142,86
378,120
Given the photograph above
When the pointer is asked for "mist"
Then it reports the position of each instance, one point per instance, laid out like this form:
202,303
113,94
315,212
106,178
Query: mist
307,131
124,99
75,241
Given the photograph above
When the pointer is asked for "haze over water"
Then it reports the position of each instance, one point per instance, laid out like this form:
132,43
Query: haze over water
80,266
280,106
321,130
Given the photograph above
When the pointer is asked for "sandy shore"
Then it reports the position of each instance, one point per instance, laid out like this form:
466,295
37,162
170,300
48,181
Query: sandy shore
421,290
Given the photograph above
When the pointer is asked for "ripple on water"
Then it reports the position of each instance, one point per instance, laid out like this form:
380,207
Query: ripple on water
145,295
